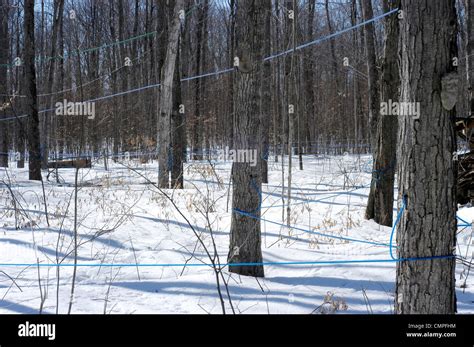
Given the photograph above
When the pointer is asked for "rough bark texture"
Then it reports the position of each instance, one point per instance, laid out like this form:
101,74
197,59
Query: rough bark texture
31,106
123,77
309,75
201,40
336,85
114,77
374,96
426,176
3,82
385,157
356,108
178,135
291,97
58,14
21,129
166,99
265,90
245,237
470,52
231,44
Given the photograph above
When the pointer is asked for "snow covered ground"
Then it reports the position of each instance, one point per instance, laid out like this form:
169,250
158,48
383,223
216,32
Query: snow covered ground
122,219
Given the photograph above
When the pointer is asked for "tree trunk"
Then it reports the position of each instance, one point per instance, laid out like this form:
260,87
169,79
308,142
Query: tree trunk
426,175
114,77
470,53
20,125
198,128
245,237
309,75
178,126
278,136
60,128
335,86
383,175
124,123
166,99
231,46
30,91
355,79
4,48
291,102
58,13
374,97
265,91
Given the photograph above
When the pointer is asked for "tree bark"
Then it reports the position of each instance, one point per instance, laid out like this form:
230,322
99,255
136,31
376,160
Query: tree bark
58,13
166,99
309,75
336,84
178,126
231,46
291,97
114,78
374,97
426,176
30,91
385,156
278,131
245,236
124,122
355,82
470,53
198,128
265,91
20,125
4,100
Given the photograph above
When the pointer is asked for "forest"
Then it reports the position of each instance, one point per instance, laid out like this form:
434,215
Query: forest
236,156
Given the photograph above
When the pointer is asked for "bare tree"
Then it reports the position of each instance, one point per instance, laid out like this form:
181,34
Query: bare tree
30,91
308,78
291,95
470,53
380,205
245,236
58,14
166,97
374,96
426,180
178,135
201,58
4,101
336,85
265,91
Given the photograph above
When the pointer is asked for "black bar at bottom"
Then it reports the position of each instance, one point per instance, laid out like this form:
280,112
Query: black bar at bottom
240,329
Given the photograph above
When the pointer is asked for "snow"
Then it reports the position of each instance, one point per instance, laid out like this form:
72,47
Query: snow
123,220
